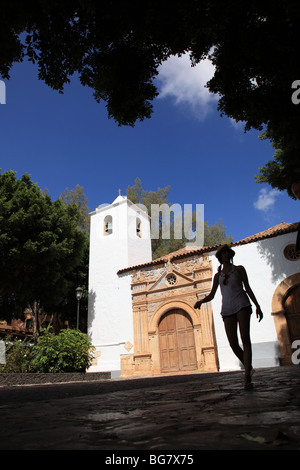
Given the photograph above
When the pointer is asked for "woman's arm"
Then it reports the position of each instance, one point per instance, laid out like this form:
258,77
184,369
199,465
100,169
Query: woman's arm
249,291
211,295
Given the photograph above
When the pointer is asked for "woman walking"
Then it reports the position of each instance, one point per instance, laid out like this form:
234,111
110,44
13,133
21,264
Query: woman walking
236,307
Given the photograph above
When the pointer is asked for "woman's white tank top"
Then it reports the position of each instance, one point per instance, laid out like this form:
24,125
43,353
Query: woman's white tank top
234,298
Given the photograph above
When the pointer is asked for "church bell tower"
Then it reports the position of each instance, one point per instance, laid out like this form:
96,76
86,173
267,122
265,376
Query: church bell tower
119,238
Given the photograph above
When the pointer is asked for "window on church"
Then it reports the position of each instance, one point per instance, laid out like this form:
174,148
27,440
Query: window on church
171,279
108,225
139,228
291,253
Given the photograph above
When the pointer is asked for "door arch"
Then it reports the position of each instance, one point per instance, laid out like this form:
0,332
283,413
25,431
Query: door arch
283,310
177,342
292,312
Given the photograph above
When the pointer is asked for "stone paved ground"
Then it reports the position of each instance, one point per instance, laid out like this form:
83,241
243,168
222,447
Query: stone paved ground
184,412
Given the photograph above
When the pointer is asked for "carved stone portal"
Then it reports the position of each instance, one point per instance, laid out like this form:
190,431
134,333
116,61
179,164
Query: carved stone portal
170,336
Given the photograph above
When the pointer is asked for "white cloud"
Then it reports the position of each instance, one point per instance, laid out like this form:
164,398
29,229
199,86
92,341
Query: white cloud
266,199
186,84
237,125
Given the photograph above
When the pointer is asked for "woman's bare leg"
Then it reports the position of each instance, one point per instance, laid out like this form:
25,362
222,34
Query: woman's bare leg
243,317
231,332
244,355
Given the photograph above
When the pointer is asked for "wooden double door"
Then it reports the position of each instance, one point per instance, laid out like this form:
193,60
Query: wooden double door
177,342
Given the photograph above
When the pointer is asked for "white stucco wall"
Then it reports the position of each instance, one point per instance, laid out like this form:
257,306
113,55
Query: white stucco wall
110,309
266,267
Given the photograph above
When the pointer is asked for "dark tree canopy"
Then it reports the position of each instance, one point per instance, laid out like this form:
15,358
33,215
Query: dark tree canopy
116,48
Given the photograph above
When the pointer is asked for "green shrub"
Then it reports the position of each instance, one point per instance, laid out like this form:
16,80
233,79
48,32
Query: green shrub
18,356
69,351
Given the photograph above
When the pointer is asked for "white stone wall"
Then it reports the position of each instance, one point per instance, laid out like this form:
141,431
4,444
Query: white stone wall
266,267
110,309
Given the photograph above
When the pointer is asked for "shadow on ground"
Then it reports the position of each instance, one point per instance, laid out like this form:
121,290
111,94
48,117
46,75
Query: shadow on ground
185,412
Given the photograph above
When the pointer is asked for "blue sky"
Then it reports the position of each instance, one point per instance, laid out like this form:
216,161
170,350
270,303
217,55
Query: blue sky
63,140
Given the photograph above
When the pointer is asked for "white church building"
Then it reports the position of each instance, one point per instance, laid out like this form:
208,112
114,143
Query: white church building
141,319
